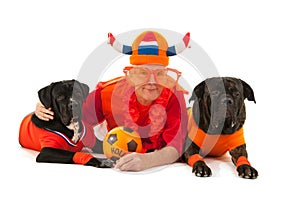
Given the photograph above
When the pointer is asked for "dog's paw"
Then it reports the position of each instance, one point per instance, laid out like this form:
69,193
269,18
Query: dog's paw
201,169
101,163
248,172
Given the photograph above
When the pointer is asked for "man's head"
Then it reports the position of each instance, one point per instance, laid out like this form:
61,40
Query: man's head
149,58
149,88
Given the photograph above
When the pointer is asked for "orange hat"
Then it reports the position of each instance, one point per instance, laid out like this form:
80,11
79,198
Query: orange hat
150,47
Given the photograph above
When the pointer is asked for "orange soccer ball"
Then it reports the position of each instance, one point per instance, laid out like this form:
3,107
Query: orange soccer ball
121,141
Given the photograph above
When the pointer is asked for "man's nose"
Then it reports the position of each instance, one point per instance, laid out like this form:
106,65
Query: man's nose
152,78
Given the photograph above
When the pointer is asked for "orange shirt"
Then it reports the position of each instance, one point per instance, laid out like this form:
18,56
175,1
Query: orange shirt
213,145
110,101
32,137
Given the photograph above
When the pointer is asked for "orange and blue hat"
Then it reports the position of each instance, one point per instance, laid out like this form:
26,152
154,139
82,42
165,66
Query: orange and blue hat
150,47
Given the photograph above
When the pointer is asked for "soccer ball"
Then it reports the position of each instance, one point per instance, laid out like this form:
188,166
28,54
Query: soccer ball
121,141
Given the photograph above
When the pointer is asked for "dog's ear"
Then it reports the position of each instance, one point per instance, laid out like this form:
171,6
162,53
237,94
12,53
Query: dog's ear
45,95
198,92
248,92
85,89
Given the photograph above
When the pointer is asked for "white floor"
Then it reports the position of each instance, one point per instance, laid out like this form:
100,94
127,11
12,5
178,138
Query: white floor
60,181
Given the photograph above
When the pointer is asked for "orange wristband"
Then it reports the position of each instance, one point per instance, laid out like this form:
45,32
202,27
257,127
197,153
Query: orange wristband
242,160
81,158
194,158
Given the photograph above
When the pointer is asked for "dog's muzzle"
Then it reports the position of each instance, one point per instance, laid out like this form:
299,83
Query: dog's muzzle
75,110
227,101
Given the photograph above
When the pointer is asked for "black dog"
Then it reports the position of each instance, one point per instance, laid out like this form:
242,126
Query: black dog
216,125
60,140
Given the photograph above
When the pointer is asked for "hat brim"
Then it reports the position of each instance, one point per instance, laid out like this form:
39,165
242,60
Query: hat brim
149,59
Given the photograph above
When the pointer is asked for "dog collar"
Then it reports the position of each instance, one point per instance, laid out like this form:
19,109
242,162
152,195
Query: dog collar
69,141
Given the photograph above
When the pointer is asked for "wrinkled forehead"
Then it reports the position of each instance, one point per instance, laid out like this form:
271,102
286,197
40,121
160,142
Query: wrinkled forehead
223,85
65,87
150,66
233,83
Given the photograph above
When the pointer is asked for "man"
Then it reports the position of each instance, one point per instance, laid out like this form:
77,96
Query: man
147,99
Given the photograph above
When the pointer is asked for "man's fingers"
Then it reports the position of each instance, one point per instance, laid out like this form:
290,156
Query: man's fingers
43,118
122,161
42,113
48,112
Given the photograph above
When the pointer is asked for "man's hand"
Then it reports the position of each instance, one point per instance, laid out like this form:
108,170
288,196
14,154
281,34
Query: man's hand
42,113
139,161
132,162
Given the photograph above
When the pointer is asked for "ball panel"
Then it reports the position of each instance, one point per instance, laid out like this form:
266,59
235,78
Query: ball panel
112,138
121,141
127,129
131,146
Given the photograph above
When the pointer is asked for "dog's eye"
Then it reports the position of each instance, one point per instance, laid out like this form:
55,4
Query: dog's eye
236,94
60,97
77,93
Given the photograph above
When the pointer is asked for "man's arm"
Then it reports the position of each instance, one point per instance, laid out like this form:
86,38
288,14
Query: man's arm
139,162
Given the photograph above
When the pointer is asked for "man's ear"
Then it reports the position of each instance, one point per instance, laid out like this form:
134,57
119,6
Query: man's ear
248,92
45,95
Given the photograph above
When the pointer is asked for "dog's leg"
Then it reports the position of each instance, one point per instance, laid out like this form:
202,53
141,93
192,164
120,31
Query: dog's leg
52,155
98,147
239,157
192,157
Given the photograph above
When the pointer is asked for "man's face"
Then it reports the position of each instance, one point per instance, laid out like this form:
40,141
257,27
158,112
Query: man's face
151,90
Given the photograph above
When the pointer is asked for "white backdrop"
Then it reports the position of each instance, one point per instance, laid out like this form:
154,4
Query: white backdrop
258,41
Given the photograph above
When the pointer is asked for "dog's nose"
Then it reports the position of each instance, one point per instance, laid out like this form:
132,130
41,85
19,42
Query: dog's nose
227,100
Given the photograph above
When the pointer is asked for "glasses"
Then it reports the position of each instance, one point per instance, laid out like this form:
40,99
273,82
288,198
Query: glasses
167,77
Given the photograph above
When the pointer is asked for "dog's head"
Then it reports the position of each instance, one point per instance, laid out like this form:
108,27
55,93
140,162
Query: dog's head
219,104
66,99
